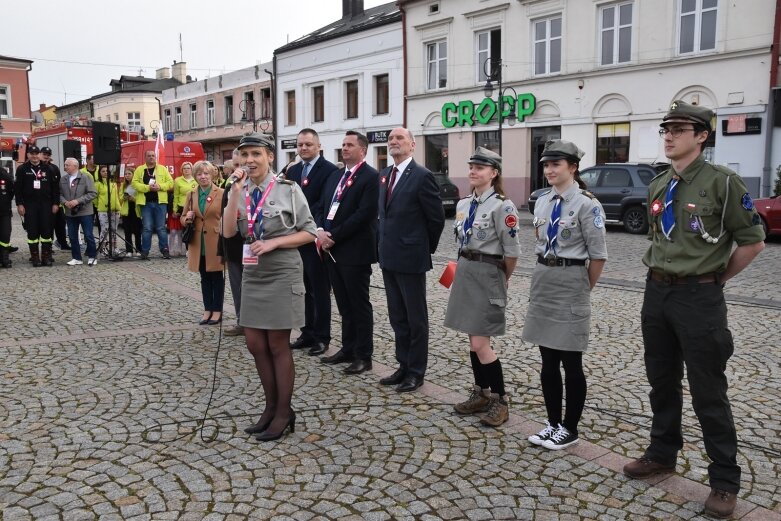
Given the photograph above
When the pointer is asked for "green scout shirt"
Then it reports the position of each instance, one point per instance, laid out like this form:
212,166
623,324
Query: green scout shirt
714,194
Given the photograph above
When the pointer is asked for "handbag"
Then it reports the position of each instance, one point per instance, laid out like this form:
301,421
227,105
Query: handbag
446,279
189,229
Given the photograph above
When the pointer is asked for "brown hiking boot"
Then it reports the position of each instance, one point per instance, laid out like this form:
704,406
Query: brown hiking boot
477,402
720,503
234,331
644,467
498,412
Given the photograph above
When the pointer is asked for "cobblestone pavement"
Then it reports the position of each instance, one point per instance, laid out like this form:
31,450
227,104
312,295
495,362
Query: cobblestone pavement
106,377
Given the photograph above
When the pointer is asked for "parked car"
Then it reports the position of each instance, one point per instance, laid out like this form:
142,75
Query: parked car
448,192
769,210
622,188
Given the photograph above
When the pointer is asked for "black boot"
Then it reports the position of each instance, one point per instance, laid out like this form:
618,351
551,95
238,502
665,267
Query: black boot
5,260
35,258
46,254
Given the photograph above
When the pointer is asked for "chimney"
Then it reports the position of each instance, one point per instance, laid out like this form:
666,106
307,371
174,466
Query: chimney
351,8
179,72
162,73
42,107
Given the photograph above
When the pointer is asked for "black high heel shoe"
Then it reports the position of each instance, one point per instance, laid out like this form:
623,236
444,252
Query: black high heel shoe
257,428
272,436
214,322
205,321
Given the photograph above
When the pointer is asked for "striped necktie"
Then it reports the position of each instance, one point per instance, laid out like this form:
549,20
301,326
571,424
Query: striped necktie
668,214
553,226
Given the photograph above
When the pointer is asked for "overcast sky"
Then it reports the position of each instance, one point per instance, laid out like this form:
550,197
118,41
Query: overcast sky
78,47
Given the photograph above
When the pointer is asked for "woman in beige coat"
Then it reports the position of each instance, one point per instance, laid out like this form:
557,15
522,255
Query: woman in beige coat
202,208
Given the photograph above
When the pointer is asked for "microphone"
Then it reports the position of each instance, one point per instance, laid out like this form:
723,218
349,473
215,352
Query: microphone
234,176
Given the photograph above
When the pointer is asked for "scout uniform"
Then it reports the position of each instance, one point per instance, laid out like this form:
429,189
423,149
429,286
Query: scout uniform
272,291
6,196
36,190
569,229
486,231
696,215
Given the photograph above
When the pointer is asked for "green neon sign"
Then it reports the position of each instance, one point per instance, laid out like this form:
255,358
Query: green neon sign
468,113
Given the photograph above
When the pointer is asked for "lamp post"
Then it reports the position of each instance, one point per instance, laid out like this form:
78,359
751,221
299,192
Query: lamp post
493,71
248,114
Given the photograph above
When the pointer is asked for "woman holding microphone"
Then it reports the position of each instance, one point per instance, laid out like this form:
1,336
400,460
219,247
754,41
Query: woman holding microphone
274,218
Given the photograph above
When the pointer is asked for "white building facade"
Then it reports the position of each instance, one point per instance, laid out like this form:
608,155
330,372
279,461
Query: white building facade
598,73
345,76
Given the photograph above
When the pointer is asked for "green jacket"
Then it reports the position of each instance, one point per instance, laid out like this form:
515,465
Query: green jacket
163,178
706,196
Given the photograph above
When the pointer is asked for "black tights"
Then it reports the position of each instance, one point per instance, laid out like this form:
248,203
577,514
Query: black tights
550,376
274,363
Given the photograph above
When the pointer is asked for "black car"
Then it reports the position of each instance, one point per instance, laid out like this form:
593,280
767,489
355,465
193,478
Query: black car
622,188
448,192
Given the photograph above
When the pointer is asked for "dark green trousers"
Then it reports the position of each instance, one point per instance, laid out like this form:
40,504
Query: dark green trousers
687,324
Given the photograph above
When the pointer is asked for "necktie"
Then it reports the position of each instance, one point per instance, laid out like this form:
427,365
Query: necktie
553,226
305,171
469,221
668,216
255,198
391,182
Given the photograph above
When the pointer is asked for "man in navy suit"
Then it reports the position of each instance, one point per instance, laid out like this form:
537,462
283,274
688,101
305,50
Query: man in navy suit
411,222
348,237
311,174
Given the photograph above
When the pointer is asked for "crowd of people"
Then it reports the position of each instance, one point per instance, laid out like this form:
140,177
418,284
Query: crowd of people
289,240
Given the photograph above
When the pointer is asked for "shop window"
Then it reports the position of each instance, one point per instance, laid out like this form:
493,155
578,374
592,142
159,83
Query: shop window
547,46
489,140
616,34
612,143
437,153
697,25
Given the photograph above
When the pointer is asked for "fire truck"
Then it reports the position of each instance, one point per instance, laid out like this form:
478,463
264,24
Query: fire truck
81,131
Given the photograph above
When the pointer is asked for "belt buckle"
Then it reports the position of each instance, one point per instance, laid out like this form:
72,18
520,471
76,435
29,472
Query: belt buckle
668,280
550,261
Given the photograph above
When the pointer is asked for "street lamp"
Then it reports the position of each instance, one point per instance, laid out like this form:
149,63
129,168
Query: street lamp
493,72
247,109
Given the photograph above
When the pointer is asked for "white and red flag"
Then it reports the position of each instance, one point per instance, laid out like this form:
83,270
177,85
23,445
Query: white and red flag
160,145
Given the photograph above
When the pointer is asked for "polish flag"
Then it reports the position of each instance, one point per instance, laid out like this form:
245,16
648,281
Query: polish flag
160,145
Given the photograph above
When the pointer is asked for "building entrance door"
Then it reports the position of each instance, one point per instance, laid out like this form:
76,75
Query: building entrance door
540,135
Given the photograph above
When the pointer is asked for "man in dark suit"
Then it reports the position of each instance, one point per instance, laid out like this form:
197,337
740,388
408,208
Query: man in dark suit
311,174
231,249
348,238
411,222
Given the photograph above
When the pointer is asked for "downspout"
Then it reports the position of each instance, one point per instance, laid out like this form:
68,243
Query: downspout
274,105
768,170
404,57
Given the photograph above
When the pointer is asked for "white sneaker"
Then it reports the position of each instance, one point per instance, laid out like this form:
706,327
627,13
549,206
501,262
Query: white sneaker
74,262
92,262
543,435
561,439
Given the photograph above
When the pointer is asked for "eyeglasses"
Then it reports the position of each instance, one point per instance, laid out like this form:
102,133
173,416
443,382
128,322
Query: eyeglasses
675,131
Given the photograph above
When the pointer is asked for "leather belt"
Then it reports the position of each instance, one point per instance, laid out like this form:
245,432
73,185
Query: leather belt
671,280
496,260
559,261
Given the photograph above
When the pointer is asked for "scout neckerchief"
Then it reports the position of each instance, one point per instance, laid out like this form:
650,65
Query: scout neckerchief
553,226
255,213
668,215
470,219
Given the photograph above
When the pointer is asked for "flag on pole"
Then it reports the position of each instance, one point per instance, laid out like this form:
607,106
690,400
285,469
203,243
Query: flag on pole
160,145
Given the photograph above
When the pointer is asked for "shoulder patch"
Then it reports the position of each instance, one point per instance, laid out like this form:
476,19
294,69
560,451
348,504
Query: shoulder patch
746,202
588,194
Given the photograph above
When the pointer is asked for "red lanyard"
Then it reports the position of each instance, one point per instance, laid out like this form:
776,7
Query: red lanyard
252,217
348,182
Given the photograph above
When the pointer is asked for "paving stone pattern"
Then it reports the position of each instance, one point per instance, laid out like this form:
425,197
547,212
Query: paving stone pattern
106,377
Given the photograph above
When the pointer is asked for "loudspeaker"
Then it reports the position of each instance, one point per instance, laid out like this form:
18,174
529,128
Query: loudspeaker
72,148
106,144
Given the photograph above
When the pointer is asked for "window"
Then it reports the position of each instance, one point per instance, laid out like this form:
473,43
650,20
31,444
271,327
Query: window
615,178
290,98
4,98
134,121
489,47
590,177
116,116
351,91
436,56
265,103
228,110
547,46
646,176
381,94
339,156
248,107
697,30
193,115
210,113
437,153
178,118
616,39
612,143
318,104
381,157
167,119
489,140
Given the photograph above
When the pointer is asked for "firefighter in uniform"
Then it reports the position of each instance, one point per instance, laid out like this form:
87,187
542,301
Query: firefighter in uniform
486,229
59,218
697,211
6,196
37,200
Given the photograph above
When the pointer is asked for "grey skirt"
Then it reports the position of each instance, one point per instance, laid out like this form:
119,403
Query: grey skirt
272,293
559,315
478,298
